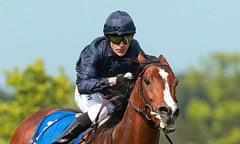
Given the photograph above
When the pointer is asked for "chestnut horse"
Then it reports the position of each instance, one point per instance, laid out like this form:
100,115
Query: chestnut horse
151,107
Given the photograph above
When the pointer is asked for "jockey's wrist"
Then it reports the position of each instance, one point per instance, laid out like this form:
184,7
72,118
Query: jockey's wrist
112,81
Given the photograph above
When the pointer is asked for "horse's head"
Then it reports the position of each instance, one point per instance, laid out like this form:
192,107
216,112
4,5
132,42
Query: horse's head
156,92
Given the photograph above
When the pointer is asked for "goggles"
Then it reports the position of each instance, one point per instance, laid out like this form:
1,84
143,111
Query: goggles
118,39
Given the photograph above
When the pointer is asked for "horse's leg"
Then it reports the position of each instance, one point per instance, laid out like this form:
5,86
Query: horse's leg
26,128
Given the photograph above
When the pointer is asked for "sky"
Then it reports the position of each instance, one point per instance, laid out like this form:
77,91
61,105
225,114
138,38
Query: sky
184,31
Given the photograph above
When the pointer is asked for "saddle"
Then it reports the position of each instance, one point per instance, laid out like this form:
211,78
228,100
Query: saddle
53,125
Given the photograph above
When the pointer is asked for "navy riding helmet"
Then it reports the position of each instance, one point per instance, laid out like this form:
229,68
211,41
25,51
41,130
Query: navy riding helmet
119,23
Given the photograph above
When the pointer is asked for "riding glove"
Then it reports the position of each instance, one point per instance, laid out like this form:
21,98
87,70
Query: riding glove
122,78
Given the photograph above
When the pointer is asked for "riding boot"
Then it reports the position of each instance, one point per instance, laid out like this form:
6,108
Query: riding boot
81,123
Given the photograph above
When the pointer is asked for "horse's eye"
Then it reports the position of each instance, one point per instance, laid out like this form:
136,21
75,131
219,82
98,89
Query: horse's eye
147,80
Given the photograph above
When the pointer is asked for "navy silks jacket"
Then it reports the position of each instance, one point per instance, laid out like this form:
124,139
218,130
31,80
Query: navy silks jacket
97,62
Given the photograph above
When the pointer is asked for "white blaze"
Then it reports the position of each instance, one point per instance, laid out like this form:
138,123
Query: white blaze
167,95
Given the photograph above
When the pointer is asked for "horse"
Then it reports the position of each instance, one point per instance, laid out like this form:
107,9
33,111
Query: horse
150,108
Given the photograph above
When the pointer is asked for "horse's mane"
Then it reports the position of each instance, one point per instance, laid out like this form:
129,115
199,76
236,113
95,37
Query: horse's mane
123,93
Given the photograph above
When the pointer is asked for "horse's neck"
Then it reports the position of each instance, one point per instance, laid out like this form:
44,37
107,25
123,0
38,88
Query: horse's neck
137,127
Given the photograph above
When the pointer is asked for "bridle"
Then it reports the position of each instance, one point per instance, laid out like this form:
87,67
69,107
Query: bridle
143,111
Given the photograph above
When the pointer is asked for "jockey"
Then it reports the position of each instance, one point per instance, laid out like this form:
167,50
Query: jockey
101,67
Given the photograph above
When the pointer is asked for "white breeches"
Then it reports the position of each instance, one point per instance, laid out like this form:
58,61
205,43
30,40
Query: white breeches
91,103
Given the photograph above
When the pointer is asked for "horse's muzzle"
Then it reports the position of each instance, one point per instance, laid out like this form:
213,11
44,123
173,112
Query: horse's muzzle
167,118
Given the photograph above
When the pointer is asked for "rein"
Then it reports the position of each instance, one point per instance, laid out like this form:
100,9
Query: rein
142,111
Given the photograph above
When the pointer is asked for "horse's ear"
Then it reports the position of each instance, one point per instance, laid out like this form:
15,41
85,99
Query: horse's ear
163,60
141,57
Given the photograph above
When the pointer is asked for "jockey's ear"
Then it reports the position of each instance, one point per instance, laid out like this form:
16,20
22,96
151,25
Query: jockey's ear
141,57
163,60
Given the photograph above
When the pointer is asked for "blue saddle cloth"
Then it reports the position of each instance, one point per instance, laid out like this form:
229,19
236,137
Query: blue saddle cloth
52,126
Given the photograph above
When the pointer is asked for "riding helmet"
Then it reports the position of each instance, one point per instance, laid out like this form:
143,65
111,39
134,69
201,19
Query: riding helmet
119,23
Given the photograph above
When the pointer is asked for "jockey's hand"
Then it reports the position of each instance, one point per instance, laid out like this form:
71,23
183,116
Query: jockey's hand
122,78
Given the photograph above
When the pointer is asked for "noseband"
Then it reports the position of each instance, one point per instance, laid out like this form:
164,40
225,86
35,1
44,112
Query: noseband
143,111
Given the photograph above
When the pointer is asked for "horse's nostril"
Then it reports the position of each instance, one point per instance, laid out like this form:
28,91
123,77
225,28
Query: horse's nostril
164,111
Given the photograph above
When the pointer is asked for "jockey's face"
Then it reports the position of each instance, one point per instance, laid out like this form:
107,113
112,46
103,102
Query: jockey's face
119,49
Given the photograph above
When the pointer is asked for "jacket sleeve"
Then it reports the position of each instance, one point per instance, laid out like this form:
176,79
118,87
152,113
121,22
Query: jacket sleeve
88,77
